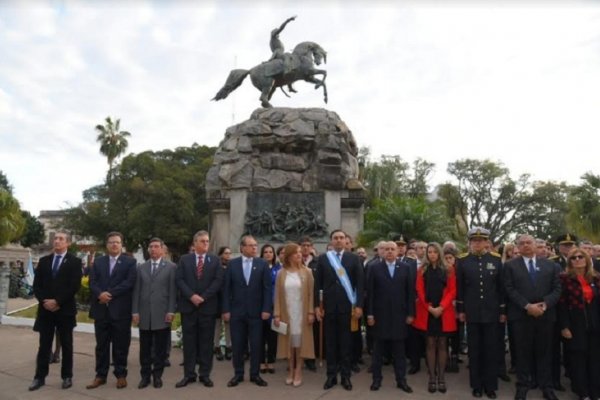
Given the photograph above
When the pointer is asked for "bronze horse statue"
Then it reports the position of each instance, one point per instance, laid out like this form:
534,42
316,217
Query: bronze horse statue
279,72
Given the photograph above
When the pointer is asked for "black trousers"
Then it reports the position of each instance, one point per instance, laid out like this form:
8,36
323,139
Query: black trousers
501,348
153,352
269,345
534,343
246,331
558,355
116,334
339,344
398,354
483,365
64,326
512,344
357,345
585,368
198,332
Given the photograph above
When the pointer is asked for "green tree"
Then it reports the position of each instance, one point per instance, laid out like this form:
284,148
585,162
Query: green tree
153,194
4,183
113,143
34,230
489,197
584,208
545,215
414,217
12,223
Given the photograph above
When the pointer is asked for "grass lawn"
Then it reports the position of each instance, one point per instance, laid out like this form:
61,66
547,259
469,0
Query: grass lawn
82,316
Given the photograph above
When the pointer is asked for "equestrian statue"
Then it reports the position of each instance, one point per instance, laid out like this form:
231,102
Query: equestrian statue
282,69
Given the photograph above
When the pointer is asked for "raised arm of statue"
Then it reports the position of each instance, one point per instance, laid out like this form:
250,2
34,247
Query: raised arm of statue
277,31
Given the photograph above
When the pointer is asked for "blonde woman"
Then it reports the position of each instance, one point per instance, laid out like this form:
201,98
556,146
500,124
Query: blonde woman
294,305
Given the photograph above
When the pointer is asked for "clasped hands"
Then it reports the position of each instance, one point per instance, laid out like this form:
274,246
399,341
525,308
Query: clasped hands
50,305
536,310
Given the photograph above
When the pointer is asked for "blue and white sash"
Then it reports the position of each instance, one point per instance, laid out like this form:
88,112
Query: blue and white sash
340,271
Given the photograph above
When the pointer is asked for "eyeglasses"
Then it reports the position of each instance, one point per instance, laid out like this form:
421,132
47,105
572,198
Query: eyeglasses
577,257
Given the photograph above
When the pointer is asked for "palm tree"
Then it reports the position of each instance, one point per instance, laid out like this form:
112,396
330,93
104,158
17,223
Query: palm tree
12,223
113,142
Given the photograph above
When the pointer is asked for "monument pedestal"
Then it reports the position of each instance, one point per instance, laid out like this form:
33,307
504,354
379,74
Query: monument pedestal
283,174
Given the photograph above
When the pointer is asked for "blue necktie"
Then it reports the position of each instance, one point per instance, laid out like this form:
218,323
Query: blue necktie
55,265
247,266
531,271
391,268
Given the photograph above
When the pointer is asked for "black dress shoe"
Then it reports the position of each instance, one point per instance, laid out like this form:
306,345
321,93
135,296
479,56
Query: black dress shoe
258,381
375,385
158,383
36,384
330,382
559,387
219,354
490,394
413,370
205,380
234,381
521,394
184,382
67,383
346,384
145,382
548,394
477,393
404,386
504,377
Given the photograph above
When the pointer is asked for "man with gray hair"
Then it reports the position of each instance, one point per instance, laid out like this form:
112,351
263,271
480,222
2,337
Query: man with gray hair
199,278
533,289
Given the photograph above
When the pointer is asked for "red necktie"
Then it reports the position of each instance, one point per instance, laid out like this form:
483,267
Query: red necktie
200,268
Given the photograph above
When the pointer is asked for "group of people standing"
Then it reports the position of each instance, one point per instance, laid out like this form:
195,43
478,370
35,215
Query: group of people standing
295,305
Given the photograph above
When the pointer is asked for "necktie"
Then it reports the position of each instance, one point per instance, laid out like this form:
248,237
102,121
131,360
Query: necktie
55,265
113,261
200,267
531,271
339,256
154,268
247,267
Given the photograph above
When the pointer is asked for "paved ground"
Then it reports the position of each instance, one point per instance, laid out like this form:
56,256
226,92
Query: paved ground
17,365
19,303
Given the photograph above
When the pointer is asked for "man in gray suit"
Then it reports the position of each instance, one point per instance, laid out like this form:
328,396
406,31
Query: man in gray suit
153,310
533,289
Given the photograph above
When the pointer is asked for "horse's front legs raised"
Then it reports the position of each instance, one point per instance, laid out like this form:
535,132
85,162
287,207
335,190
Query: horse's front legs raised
318,83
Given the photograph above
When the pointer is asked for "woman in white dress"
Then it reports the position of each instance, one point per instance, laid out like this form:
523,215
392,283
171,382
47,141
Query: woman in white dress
294,305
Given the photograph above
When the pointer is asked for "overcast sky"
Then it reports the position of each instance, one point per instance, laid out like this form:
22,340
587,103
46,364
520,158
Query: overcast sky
439,80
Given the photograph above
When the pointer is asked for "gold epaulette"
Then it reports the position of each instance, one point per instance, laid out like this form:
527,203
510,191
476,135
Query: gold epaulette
495,254
462,255
554,258
411,257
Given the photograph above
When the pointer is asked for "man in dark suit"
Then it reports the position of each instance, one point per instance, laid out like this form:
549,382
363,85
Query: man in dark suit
391,308
533,289
112,279
247,301
481,304
199,278
153,309
57,279
340,276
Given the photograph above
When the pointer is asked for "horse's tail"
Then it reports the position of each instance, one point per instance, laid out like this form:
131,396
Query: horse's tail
234,80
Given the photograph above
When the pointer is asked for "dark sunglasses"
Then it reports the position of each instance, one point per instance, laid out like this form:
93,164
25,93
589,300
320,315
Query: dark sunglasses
577,257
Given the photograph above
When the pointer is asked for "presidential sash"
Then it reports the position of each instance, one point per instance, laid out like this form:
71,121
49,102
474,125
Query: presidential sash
340,272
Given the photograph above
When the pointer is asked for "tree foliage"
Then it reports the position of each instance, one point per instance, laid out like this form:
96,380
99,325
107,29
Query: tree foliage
113,142
413,217
34,230
489,197
152,194
584,208
12,223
